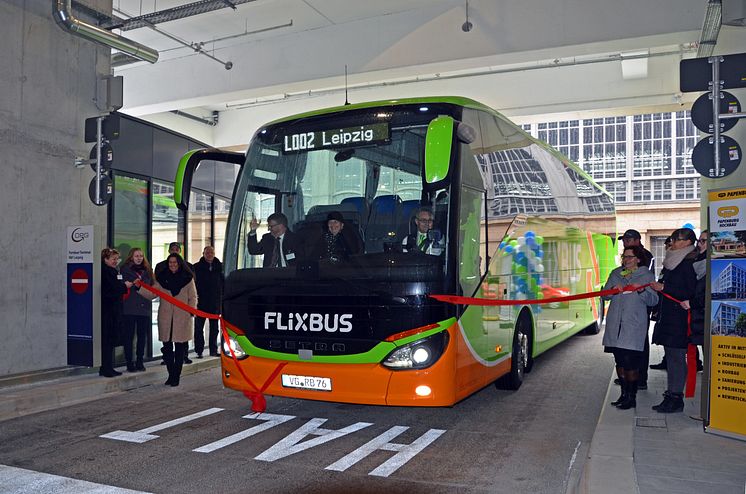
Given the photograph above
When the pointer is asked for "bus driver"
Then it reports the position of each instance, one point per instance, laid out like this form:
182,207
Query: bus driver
425,239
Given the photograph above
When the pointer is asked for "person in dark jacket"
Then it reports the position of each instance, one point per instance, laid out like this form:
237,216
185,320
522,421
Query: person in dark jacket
208,272
113,287
679,281
697,304
137,310
281,247
337,242
627,321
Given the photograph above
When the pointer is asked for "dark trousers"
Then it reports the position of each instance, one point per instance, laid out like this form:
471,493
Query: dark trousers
135,325
645,360
173,354
109,326
199,335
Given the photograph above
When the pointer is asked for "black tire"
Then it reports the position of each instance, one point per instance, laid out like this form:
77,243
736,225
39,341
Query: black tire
521,355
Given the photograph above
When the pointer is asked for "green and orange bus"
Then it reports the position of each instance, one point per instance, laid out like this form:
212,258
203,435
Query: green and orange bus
515,219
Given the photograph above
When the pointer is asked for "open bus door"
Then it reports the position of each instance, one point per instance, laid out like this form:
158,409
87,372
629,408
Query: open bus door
188,165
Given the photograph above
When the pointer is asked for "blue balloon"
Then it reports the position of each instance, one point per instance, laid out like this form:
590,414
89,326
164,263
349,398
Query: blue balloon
508,249
529,234
501,246
540,252
531,242
688,225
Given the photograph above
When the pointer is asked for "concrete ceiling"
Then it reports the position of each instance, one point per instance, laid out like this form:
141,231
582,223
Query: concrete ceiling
522,56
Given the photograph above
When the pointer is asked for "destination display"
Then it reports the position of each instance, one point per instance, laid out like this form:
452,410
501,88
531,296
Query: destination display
362,135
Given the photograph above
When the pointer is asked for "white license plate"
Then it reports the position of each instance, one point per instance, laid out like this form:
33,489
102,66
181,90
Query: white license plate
307,382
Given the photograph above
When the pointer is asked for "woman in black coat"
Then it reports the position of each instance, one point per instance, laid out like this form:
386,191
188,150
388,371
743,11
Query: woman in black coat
137,310
113,287
679,281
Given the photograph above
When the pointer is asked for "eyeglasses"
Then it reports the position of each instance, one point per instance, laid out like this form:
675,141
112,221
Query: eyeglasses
629,257
702,240
272,225
425,220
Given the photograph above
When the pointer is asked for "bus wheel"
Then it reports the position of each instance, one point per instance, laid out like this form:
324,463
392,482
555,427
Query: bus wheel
520,359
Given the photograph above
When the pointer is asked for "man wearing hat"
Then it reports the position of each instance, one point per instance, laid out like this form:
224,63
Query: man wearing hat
629,239
632,238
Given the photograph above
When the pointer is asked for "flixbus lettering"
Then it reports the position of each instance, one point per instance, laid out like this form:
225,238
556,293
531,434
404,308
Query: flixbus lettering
295,321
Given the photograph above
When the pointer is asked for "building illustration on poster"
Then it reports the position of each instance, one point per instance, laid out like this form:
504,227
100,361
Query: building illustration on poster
728,312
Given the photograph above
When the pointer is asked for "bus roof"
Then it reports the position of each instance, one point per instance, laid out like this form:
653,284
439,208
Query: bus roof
454,100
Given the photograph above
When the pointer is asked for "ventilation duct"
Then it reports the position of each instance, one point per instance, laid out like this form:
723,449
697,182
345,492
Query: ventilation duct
710,28
172,14
62,13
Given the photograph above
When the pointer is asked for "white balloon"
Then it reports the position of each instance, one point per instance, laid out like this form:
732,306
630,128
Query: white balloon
521,240
539,268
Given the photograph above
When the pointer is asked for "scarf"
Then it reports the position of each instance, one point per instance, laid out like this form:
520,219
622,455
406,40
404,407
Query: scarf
700,267
674,257
174,282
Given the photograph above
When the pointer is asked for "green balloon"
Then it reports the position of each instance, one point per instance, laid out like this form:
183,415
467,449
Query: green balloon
539,239
519,269
513,243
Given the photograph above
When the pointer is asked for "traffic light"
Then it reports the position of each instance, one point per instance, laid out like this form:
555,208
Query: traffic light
715,111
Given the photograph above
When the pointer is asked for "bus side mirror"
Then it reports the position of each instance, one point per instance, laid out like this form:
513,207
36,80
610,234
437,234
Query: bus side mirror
438,149
188,165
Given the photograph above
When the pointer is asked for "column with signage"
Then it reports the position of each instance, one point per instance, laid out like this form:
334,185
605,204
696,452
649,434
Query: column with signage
80,258
728,312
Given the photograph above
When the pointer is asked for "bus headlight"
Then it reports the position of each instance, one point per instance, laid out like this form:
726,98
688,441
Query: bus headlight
232,344
419,354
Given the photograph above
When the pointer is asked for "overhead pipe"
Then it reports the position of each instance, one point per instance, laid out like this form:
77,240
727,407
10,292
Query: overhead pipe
62,13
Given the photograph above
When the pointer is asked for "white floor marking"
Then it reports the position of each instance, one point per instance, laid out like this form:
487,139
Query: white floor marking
404,452
144,435
289,445
272,420
22,481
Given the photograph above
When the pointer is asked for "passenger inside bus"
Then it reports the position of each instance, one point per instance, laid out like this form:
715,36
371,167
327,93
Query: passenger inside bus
336,243
280,247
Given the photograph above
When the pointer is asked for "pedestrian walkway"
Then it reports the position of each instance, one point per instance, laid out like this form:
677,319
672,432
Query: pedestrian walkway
38,392
648,452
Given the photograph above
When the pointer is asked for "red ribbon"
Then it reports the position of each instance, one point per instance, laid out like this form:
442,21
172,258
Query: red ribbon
691,356
455,299
258,402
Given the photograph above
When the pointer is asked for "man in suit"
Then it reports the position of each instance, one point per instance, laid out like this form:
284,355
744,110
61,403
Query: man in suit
425,239
281,247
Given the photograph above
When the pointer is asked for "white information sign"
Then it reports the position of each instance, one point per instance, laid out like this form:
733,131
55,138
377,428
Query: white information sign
80,244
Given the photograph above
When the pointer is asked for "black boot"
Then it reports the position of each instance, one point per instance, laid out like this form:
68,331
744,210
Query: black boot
666,395
130,367
631,400
675,404
661,366
139,366
622,396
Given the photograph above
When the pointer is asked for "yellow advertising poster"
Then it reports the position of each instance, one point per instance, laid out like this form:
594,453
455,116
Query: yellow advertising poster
728,312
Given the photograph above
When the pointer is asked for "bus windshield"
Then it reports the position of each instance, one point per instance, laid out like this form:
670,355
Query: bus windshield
350,186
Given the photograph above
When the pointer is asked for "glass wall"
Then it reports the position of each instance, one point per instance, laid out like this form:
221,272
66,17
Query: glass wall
637,158
199,225
222,207
130,214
